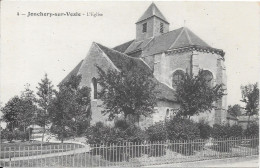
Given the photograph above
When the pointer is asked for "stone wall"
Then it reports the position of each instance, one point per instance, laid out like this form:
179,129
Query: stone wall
88,70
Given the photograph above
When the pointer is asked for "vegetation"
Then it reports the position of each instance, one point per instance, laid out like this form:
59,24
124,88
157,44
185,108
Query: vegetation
195,95
179,128
226,131
70,109
235,110
157,132
205,129
250,96
18,112
252,130
45,95
129,92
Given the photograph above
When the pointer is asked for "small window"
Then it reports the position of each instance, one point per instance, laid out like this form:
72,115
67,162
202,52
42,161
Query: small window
161,27
94,87
167,112
144,27
207,75
177,77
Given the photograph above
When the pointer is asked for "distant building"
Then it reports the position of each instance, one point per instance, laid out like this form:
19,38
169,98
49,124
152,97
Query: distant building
231,120
167,54
243,120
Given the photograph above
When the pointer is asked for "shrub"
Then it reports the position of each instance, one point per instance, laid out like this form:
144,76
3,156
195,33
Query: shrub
157,132
121,124
10,136
252,130
205,129
182,129
97,133
220,131
235,131
121,133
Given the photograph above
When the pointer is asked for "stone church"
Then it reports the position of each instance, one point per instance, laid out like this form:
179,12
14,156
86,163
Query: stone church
167,54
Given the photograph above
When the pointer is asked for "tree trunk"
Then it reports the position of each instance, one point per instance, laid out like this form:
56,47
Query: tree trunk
248,121
62,135
43,133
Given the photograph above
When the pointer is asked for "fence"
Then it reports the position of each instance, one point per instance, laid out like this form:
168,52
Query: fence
126,154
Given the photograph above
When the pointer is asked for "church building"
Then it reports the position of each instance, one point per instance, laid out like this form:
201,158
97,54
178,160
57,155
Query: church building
168,55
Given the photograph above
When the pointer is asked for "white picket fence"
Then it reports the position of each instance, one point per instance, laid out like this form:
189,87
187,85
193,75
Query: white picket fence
126,153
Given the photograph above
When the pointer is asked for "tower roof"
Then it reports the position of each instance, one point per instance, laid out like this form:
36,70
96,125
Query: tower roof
152,11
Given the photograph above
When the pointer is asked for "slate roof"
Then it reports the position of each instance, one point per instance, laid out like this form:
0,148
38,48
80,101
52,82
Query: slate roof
150,12
175,39
120,60
121,48
73,72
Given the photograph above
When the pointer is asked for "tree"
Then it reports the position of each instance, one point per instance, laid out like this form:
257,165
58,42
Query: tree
45,95
70,108
11,111
195,95
18,111
234,110
250,96
27,108
130,92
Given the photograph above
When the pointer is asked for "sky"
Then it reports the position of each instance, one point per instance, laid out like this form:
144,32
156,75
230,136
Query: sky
33,46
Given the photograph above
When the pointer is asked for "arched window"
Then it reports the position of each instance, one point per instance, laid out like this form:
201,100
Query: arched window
94,88
167,112
207,75
177,77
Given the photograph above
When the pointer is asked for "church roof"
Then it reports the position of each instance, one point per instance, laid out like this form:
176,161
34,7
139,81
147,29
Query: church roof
175,39
121,48
120,60
73,72
152,11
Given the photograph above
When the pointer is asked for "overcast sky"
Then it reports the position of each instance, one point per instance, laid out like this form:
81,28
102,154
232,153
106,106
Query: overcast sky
32,46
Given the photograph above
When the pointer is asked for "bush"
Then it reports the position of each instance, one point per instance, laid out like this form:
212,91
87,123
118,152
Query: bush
205,129
121,133
10,136
157,132
252,130
235,131
182,129
220,131
97,133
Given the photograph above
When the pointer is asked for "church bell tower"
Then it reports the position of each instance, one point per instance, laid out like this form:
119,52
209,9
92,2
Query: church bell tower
152,23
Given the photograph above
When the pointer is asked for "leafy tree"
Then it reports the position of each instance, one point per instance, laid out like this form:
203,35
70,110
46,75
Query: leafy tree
234,110
70,108
45,95
250,96
11,111
27,108
18,111
129,92
195,95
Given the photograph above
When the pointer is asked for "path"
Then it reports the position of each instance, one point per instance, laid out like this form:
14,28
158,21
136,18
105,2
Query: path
249,161
71,152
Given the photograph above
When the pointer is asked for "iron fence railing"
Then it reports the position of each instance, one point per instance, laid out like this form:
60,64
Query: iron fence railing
125,153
